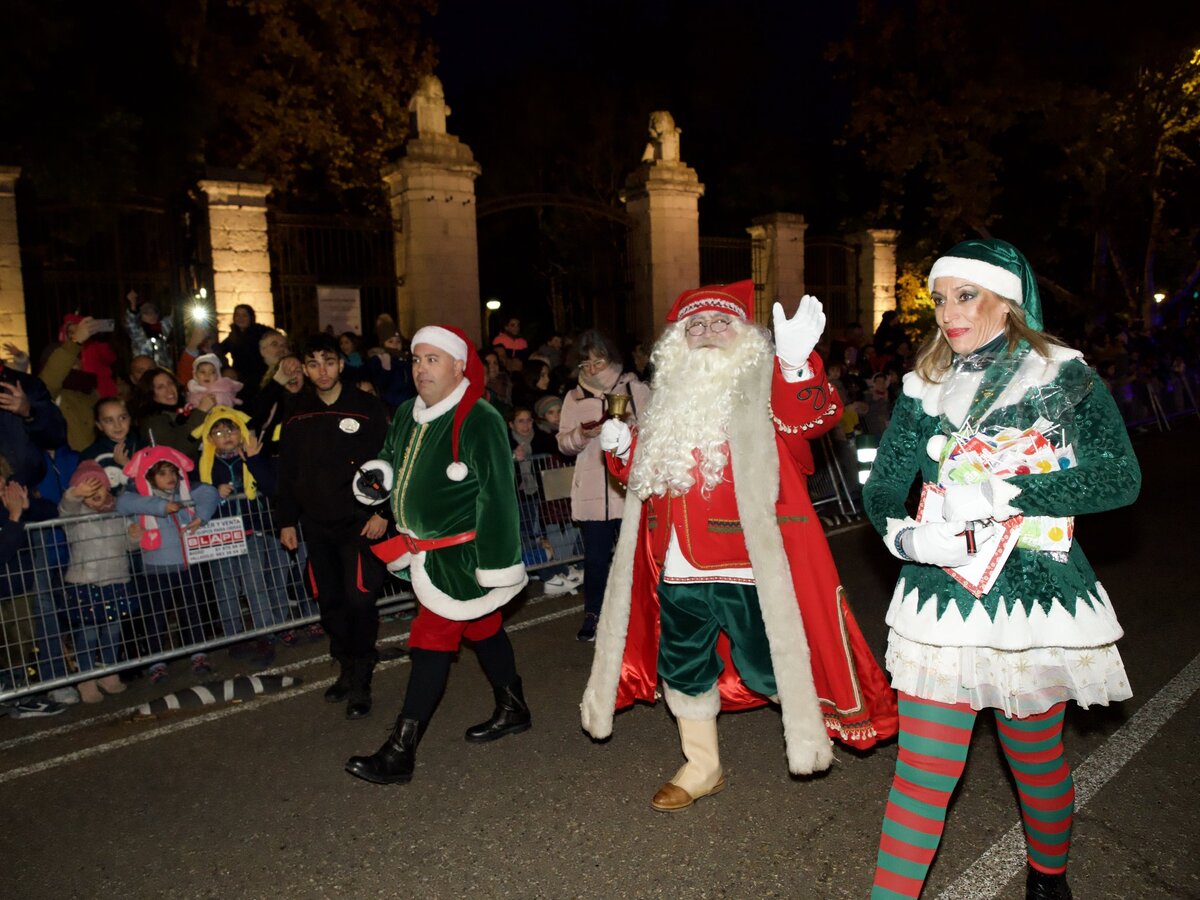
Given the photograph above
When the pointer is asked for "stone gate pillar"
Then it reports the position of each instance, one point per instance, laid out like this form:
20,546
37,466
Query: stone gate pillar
237,229
778,261
431,192
877,269
662,198
12,285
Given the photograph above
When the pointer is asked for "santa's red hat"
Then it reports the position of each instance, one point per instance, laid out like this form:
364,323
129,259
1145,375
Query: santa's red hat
454,341
736,299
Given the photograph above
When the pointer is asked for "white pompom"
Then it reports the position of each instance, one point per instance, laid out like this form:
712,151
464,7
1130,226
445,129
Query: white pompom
456,471
936,445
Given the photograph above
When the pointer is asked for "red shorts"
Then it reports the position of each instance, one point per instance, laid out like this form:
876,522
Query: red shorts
433,632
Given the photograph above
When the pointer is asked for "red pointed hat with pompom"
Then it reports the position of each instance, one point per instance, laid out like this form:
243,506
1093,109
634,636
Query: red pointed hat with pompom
455,342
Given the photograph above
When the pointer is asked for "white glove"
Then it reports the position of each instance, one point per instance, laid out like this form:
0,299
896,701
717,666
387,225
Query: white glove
981,501
616,438
943,543
796,337
373,482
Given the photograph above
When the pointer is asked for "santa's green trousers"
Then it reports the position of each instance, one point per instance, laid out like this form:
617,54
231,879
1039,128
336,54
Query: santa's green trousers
691,617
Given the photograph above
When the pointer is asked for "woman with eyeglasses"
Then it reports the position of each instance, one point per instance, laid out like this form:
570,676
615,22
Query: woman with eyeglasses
597,499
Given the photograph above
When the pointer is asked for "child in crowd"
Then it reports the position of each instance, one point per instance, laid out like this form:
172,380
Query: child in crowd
231,461
159,494
555,512
117,443
208,380
97,579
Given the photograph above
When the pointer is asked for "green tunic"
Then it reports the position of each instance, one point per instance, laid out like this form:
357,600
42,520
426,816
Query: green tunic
426,503
1026,605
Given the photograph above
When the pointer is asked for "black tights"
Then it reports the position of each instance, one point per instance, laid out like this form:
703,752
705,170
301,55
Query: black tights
431,671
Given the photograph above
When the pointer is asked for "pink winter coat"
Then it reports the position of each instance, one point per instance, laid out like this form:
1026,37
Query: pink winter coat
595,494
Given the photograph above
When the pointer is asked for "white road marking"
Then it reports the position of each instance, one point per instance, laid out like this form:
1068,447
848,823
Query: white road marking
987,876
226,711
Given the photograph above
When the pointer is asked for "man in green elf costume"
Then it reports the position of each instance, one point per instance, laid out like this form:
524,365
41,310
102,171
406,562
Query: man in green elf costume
447,466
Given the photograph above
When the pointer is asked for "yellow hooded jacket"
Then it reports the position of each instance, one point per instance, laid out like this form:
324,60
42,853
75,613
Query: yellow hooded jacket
208,450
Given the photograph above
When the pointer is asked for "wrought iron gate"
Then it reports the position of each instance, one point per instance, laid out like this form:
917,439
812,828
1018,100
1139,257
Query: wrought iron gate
343,251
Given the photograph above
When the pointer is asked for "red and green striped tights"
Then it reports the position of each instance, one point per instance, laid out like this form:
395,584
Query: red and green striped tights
934,739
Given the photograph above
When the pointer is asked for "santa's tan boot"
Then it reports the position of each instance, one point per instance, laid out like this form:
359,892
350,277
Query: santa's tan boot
701,775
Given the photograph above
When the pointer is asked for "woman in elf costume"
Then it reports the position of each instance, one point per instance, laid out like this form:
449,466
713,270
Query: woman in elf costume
987,385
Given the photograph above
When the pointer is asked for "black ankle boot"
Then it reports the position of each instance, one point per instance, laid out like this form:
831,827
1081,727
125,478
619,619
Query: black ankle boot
511,716
394,762
358,704
1040,886
340,689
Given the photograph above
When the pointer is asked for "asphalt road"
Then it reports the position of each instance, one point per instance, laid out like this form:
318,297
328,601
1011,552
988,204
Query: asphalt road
250,800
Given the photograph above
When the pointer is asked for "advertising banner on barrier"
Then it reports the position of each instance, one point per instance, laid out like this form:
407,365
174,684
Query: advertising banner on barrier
217,539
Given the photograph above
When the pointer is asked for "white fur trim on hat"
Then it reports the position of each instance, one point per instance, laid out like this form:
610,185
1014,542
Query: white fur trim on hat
994,278
442,339
711,304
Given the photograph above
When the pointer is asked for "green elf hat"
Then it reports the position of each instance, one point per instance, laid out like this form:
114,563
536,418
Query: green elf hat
998,266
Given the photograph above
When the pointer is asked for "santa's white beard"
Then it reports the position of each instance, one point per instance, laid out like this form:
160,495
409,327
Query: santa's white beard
694,394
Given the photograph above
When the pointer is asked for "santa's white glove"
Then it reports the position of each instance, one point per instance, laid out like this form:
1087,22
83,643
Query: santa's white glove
990,499
796,337
943,543
616,438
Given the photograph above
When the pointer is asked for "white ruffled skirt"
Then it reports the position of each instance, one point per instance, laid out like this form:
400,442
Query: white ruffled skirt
1019,683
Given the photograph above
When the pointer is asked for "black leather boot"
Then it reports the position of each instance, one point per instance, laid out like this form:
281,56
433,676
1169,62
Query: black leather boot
340,689
394,762
511,716
358,704
1040,886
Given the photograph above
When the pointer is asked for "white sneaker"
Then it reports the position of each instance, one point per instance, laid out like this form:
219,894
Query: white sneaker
67,696
559,584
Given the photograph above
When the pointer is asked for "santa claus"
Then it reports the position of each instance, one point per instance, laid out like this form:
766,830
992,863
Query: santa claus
723,589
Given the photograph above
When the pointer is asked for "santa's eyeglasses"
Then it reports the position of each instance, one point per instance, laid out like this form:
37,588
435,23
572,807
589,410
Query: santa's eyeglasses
697,327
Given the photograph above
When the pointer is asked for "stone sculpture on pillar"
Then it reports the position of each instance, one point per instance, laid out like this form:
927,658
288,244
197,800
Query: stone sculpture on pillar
428,106
431,193
662,197
664,138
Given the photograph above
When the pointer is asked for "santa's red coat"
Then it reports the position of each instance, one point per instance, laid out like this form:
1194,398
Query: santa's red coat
857,701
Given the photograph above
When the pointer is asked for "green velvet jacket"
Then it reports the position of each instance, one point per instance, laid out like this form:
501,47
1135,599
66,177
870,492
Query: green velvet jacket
428,504
1107,477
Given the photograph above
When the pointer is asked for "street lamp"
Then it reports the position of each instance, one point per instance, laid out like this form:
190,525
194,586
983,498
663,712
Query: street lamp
489,310
1160,297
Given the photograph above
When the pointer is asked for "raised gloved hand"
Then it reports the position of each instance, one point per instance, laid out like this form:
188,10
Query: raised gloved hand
796,337
616,438
943,543
979,502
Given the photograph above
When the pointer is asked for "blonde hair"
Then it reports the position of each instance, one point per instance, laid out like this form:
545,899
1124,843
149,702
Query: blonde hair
935,356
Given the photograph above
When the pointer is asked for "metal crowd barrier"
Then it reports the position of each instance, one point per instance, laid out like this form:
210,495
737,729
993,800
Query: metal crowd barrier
237,587
548,536
833,487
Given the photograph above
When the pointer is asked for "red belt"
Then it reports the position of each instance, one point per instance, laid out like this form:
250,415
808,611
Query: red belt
396,547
